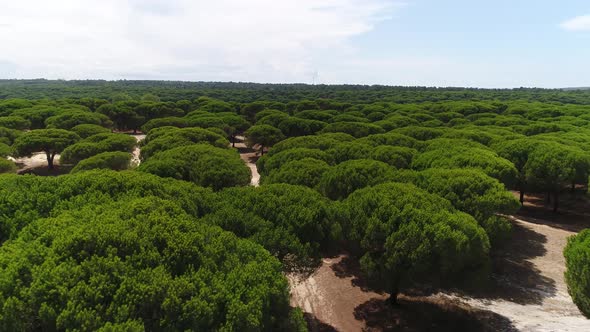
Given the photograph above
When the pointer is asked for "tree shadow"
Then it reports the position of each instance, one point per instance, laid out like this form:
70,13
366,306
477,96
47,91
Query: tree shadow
514,278
565,219
316,325
45,171
349,267
427,314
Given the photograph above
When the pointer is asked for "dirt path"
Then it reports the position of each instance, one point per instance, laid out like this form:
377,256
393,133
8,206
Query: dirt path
331,298
528,293
536,296
135,159
249,156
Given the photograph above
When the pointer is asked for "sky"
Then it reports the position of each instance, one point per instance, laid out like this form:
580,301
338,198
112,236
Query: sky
484,43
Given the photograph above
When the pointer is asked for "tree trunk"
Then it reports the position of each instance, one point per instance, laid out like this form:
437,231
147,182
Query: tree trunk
262,150
50,157
573,188
233,141
393,293
556,201
521,197
548,198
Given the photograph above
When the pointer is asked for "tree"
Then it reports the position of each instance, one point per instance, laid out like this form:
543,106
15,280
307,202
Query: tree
202,164
93,145
287,220
50,141
517,151
136,264
406,236
356,129
68,120
276,161
396,156
116,160
87,130
305,172
165,138
552,166
577,275
15,122
263,135
123,116
343,179
473,192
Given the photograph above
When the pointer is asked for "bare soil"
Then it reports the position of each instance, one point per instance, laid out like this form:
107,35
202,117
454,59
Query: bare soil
527,291
250,157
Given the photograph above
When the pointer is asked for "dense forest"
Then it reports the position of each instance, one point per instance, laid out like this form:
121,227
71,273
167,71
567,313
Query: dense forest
415,183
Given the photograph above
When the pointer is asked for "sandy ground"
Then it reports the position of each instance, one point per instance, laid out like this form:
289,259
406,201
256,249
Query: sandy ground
135,159
37,160
249,156
528,291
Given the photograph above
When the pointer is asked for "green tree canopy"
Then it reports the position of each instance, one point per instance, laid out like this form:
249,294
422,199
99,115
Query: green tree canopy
263,135
202,164
50,141
115,160
406,235
343,179
577,275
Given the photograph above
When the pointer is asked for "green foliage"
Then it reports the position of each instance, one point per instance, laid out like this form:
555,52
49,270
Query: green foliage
269,163
348,151
7,166
293,126
144,265
95,144
473,192
15,122
68,120
263,135
24,199
201,164
5,150
162,122
50,141
87,130
166,138
453,156
406,235
117,161
356,129
292,222
7,136
304,172
396,156
343,179
577,275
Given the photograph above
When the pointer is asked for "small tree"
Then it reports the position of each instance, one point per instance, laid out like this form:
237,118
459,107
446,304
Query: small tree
50,141
263,135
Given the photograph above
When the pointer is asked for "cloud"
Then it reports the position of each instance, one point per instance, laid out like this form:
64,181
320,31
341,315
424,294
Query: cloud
255,40
579,23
